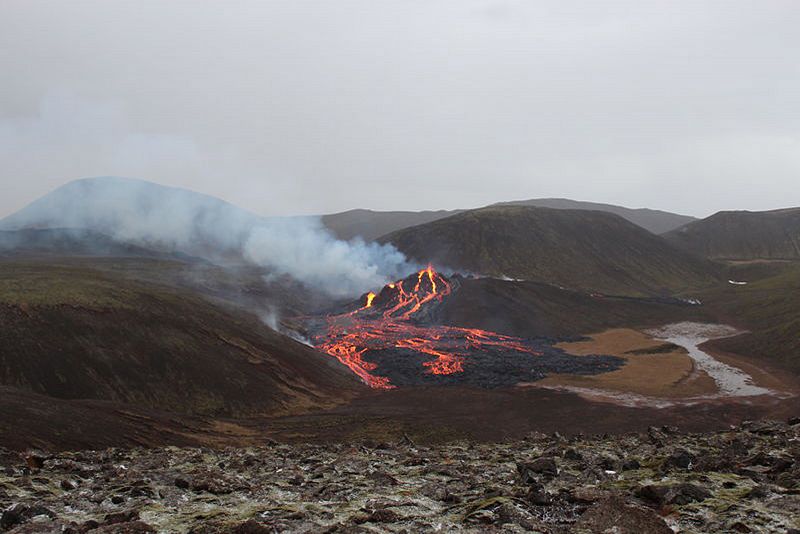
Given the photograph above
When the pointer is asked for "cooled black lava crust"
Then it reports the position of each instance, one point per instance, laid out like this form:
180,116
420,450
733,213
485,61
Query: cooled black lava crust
497,368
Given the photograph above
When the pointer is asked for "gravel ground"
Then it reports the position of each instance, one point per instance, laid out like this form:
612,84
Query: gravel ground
746,479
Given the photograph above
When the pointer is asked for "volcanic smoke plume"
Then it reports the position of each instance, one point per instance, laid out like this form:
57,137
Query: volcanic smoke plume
166,218
391,339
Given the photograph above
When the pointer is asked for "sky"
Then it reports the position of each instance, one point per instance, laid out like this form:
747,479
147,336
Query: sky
306,107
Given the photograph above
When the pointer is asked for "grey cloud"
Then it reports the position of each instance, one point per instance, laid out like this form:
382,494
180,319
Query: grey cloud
311,107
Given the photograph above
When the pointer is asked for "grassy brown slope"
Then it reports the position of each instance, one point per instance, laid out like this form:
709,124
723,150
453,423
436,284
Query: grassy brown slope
370,225
770,309
742,235
655,221
531,309
72,332
29,420
245,286
436,414
585,250
70,241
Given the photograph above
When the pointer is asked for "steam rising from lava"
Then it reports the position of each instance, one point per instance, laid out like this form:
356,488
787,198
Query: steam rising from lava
176,219
304,249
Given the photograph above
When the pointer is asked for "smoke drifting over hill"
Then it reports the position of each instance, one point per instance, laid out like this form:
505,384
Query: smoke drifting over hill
303,248
175,219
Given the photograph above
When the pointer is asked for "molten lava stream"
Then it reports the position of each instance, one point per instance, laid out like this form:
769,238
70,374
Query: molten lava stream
383,322
349,351
445,363
478,338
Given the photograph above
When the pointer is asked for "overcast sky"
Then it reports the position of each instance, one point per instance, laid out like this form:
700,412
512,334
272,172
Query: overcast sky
310,107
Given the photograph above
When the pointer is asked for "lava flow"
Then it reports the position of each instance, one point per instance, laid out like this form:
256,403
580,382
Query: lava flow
398,320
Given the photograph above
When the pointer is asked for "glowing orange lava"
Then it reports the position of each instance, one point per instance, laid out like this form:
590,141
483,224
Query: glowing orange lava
390,320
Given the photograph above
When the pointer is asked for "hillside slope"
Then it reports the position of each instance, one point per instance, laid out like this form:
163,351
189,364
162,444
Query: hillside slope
655,221
30,420
769,309
587,250
534,309
742,235
69,241
72,332
370,225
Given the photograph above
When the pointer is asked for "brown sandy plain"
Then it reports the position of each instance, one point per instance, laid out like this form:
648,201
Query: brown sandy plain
652,367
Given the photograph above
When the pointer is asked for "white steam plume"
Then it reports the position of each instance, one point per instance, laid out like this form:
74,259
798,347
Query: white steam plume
303,248
271,318
152,215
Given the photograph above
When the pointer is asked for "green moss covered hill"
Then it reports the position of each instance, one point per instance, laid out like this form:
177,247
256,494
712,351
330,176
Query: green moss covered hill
71,331
742,235
578,249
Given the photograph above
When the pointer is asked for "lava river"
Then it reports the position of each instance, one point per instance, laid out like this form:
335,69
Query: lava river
391,339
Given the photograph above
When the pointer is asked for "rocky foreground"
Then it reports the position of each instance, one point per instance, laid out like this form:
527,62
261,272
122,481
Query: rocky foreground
746,479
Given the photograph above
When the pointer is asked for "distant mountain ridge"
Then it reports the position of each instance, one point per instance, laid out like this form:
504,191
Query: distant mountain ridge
110,205
579,249
141,212
177,221
370,225
655,221
742,235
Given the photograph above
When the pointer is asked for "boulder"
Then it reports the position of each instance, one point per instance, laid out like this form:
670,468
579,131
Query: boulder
508,514
383,515
21,513
680,459
130,527
631,465
541,466
588,495
251,526
678,494
121,517
620,517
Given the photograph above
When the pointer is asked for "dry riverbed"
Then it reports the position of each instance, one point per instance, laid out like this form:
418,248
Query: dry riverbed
664,367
